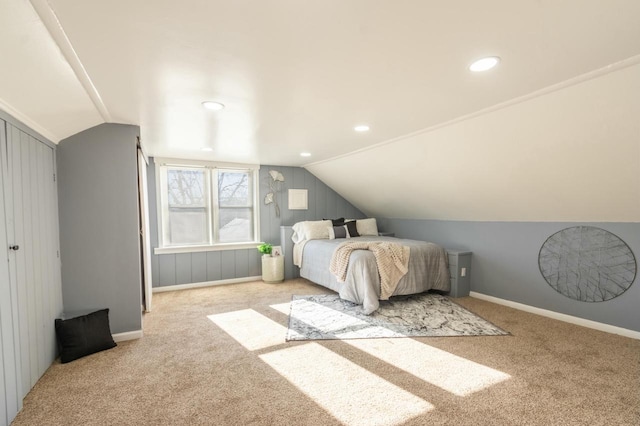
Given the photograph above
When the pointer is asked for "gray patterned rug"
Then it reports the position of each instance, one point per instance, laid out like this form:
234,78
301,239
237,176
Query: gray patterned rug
326,316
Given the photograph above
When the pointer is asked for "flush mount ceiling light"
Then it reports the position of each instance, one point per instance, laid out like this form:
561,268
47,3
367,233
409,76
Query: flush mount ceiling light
214,106
361,128
484,64
305,154
207,149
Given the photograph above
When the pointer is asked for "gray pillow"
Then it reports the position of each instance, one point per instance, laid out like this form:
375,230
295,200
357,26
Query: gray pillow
340,231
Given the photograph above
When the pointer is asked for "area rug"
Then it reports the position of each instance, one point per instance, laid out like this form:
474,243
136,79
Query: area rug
326,316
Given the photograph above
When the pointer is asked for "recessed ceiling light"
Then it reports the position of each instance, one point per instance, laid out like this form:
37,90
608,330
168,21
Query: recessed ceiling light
214,106
484,64
361,128
207,149
305,154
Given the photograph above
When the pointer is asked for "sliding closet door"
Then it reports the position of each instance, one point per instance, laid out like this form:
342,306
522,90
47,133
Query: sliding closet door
35,266
8,396
35,289
10,384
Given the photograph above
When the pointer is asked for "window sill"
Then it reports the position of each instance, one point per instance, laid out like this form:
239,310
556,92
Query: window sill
195,249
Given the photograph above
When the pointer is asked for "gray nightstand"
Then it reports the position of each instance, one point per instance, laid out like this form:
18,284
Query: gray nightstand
460,270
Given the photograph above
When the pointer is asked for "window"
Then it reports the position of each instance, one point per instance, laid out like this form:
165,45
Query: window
206,205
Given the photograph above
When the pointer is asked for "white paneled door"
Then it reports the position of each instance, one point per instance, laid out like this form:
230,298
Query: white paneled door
31,291
10,402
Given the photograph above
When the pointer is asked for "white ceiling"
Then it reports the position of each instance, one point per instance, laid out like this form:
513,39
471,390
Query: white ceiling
294,75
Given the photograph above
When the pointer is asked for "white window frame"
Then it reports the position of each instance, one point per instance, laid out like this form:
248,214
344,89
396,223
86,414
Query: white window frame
161,164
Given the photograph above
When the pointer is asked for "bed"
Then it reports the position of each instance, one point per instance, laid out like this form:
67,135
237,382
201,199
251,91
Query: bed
313,251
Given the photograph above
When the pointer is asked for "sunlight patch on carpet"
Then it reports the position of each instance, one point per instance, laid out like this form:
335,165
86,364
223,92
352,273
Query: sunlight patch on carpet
341,325
251,329
440,368
285,308
350,393
334,321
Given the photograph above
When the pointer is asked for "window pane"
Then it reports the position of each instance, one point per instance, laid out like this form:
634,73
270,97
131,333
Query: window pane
235,225
188,226
234,189
186,188
187,199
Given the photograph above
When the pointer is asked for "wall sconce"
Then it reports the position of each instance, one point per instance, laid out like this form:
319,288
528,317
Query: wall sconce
274,186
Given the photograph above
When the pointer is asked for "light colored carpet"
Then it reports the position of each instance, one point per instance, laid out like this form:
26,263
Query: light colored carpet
327,316
200,363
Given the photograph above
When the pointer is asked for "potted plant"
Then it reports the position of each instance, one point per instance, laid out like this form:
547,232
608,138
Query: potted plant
272,266
265,249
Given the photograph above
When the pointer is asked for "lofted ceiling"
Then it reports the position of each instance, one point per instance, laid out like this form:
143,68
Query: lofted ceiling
295,76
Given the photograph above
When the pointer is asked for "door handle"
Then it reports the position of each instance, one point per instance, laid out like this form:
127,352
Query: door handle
14,247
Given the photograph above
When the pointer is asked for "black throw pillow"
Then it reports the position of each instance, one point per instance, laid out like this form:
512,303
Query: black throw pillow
336,222
351,227
84,335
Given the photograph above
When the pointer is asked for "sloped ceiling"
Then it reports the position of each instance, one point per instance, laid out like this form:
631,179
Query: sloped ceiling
298,76
571,154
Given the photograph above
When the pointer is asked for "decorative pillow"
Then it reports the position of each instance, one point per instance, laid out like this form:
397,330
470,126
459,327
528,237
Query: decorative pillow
352,229
84,335
338,232
336,222
367,226
311,230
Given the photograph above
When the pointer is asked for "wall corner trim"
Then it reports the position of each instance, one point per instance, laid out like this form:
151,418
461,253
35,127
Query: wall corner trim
558,316
51,22
21,118
128,335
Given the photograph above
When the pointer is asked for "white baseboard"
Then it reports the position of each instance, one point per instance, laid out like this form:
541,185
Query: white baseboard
558,316
205,284
129,335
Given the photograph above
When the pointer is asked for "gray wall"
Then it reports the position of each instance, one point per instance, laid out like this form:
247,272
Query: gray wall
185,268
505,263
99,232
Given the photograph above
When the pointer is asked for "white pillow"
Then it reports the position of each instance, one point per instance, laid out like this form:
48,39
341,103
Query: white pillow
311,230
367,227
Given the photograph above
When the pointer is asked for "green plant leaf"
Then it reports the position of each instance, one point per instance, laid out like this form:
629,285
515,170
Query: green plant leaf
265,248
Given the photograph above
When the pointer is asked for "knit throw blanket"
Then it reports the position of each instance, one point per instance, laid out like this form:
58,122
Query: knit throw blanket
392,260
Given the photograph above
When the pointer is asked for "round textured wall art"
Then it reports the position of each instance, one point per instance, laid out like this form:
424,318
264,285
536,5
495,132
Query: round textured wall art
587,264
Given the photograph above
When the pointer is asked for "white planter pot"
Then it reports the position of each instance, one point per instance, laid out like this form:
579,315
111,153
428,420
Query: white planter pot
272,269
